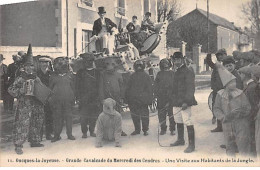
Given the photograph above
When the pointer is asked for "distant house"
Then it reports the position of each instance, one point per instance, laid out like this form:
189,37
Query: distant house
192,28
61,27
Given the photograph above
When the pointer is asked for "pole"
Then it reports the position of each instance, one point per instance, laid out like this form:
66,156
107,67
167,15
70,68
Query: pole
208,25
67,26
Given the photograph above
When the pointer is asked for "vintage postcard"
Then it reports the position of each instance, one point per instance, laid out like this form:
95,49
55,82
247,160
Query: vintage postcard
130,83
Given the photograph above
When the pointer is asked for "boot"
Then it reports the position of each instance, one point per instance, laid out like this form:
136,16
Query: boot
218,128
71,137
33,145
135,133
191,136
55,139
163,132
92,134
180,141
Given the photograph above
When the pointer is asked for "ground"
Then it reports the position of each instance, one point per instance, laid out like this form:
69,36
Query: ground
145,148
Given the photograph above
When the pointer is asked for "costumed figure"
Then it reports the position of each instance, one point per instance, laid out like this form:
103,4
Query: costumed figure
29,113
233,109
44,73
182,100
139,95
62,100
109,124
163,87
87,93
111,84
147,24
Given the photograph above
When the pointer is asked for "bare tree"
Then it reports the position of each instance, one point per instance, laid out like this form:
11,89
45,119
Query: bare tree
168,10
251,11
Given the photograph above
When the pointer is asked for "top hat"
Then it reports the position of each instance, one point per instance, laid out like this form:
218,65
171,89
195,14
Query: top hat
225,75
44,59
148,14
1,57
101,10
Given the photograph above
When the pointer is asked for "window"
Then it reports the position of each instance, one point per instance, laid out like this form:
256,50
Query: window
146,6
86,34
87,2
121,7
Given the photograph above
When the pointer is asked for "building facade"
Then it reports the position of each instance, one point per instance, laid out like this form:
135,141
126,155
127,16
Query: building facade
61,27
192,28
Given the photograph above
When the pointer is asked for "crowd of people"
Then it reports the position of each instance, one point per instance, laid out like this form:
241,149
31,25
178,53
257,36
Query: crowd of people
236,101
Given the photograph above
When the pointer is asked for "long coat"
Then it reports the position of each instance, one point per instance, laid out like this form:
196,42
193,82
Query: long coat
183,87
29,114
163,87
97,27
3,81
87,92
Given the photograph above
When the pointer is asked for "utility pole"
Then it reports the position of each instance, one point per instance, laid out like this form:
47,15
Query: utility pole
208,25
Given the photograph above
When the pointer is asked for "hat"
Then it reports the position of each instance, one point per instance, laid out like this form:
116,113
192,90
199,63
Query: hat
21,53
101,10
245,70
225,75
44,59
148,14
228,60
134,17
28,58
221,51
177,55
87,56
255,70
1,57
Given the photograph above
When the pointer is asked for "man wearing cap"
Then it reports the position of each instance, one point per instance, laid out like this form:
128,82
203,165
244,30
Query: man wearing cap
216,83
103,28
87,86
44,74
230,65
3,83
147,24
133,27
253,94
182,100
12,72
232,108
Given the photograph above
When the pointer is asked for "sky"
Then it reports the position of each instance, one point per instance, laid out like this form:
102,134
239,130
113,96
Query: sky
229,9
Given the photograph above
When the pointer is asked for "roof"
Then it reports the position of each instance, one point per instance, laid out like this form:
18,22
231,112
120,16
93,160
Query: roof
218,20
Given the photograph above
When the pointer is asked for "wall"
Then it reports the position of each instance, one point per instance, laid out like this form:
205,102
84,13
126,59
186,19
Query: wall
227,39
30,22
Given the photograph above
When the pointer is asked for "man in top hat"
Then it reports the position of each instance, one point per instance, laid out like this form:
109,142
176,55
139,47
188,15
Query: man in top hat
216,83
44,74
3,83
232,108
147,24
103,28
230,65
182,100
13,70
87,93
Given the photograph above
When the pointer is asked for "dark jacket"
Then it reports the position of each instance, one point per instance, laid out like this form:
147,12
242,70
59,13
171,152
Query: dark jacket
183,87
4,80
253,94
148,24
12,71
97,27
139,89
216,83
163,87
45,78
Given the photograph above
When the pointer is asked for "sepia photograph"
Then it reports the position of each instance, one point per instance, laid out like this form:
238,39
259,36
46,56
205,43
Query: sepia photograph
130,83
